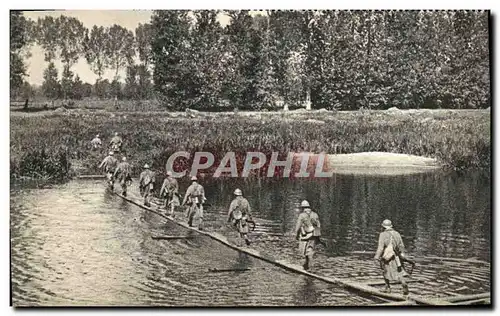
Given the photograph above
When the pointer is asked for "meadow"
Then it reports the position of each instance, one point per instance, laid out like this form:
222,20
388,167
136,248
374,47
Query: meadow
55,145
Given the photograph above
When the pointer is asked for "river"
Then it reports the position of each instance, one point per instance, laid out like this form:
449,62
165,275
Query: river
76,244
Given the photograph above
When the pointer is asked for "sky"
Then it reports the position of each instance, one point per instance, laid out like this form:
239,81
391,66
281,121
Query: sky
128,19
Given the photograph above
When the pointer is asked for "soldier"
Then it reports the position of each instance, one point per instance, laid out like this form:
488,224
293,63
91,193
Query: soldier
109,165
307,232
116,143
146,184
124,174
96,142
240,214
170,190
195,197
390,255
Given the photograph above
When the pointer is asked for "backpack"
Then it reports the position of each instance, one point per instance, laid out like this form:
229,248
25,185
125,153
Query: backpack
307,229
237,212
389,252
196,196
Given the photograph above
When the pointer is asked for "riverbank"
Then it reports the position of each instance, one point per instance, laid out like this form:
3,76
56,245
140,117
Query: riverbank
56,144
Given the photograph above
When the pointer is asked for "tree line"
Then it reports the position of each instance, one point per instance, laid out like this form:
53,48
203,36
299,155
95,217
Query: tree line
328,59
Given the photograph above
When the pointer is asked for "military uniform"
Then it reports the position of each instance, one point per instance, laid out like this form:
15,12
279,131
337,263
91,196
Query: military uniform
239,214
170,189
307,232
109,165
146,184
392,268
116,143
195,196
123,174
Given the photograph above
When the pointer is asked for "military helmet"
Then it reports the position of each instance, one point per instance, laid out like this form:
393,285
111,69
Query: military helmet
304,204
194,178
238,192
146,166
387,223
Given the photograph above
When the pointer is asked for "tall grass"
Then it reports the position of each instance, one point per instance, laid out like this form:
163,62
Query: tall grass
44,145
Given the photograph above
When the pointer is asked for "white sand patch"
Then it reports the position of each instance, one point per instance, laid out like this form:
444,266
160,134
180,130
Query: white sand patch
373,163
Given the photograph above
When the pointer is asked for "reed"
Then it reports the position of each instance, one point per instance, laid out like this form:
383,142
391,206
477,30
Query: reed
58,144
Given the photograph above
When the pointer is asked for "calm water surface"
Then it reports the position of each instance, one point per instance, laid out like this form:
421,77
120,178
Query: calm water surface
75,244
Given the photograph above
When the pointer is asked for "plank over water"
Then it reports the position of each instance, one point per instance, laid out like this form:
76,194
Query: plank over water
355,286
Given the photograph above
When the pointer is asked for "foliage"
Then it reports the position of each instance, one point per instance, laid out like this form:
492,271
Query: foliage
341,59
20,39
71,39
460,140
120,48
171,29
51,87
95,50
338,59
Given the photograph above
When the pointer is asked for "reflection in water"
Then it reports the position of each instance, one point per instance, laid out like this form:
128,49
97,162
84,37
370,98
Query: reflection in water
306,291
76,244
438,214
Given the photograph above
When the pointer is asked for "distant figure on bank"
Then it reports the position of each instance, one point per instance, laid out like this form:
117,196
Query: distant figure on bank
116,143
195,197
307,232
240,214
96,142
123,174
146,184
170,190
109,165
390,255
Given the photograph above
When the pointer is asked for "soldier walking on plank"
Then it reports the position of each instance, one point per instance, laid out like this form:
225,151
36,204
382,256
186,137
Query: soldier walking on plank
123,174
170,190
307,232
195,197
390,255
109,165
239,214
146,184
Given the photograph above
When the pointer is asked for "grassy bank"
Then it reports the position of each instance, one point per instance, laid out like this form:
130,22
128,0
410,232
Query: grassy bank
43,144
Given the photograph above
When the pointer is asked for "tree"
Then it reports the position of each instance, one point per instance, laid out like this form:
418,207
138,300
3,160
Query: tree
20,29
66,83
51,87
71,39
77,89
264,83
171,41
131,88
95,50
102,89
47,34
120,48
204,62
239,66
145,85
143,37
287,54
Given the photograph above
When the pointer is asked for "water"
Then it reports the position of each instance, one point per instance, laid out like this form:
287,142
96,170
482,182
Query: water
74,244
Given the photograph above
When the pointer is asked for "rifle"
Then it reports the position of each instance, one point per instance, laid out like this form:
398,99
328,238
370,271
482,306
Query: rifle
410,261
251,221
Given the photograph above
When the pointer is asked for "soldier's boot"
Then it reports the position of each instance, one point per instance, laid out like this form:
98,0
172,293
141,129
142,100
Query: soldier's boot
387,287
306,264
405,289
